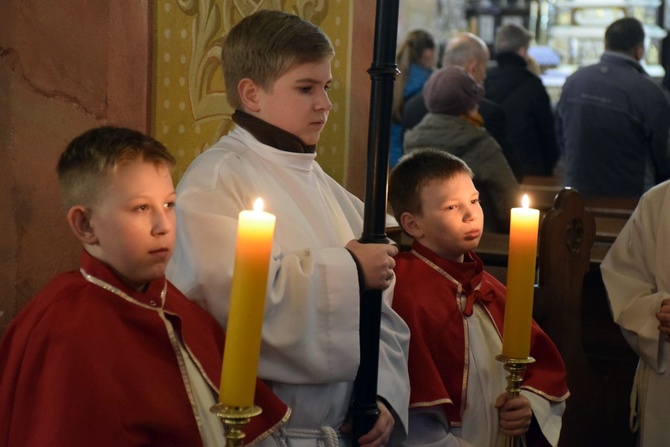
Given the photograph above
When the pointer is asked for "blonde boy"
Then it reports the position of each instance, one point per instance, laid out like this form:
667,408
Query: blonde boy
113,354
277,73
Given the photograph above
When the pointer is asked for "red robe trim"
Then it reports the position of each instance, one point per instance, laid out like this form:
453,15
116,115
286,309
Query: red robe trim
87,365
425,296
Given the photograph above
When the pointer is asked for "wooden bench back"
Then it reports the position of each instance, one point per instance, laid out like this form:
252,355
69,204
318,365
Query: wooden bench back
567,234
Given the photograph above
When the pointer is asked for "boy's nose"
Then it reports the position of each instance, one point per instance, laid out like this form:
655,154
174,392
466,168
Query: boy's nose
469,214
163,222
324,102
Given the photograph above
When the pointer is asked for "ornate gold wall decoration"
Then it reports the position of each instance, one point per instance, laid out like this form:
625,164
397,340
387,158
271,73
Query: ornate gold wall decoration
190,111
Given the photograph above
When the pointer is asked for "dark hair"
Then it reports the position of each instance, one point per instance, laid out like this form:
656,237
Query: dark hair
624,35
414,171
87,161
511,38
265,45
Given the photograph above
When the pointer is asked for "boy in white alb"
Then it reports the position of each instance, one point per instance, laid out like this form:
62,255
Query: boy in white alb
277,72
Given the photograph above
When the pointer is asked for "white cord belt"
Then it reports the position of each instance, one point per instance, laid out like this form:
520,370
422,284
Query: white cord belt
638,396
325,436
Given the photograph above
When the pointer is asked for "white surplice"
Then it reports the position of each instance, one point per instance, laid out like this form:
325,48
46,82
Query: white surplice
636,274
310,346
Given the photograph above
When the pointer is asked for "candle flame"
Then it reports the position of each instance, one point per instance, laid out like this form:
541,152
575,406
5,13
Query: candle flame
525,201
258,205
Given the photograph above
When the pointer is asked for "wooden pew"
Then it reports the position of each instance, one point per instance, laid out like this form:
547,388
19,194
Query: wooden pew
566,236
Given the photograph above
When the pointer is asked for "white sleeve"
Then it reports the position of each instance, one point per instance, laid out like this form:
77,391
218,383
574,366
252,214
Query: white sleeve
635,285
428,427
549,415
393,378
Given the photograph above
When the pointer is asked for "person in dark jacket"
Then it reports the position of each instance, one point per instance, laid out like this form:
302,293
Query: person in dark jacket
613,120
468,51
453,125
530,120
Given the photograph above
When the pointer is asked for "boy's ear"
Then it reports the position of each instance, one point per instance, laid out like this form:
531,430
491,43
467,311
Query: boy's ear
249,91
410,224
79,219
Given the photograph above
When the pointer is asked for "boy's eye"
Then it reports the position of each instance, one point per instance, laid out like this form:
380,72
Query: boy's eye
142,207
169,205
305,89
476,201
451,207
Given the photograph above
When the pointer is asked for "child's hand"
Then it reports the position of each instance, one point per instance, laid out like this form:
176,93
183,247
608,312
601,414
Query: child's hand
514,414
664,319
377,262
380,433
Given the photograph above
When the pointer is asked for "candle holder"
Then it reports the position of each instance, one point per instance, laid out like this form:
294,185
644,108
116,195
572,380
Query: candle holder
516,369
234,420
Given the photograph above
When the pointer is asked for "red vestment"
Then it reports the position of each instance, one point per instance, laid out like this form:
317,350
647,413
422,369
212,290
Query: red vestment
82,365
425,296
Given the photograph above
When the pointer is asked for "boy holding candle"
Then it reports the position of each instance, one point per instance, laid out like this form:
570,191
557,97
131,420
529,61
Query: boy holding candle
277,73
114,354
455,313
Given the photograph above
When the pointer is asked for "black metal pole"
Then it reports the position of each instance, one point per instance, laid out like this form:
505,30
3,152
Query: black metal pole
382,72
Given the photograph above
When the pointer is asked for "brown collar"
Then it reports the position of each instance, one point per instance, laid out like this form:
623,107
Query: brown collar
271,135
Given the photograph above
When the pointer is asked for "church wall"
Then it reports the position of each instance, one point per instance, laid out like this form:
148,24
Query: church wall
65,67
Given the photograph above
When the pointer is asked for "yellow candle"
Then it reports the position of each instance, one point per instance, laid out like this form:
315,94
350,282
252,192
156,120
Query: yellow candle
247,302
520,281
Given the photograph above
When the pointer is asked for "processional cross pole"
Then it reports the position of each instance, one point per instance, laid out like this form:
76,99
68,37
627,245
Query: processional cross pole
382,73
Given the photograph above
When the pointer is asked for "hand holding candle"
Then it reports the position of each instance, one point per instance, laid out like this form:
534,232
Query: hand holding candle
520,281
247,303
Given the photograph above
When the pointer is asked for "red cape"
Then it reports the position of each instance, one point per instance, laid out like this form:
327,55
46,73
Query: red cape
426,299
80,365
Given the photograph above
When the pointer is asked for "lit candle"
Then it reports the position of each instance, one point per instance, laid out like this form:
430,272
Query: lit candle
255,231
520,281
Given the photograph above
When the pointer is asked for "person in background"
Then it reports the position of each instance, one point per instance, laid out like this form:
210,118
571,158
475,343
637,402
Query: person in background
113,354
613,120
454,125
637,280
318,270
530,120
455,312
416,61
469,52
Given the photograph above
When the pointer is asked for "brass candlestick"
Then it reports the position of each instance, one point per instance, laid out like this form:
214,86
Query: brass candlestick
234,420
516,369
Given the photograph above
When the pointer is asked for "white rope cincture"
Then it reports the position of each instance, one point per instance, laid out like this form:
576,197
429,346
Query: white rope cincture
325,436
638,396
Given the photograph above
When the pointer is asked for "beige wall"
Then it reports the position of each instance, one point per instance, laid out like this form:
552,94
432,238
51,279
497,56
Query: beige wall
65,67
71,65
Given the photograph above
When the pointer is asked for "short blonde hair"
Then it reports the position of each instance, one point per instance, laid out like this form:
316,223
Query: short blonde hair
84,167
265,45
